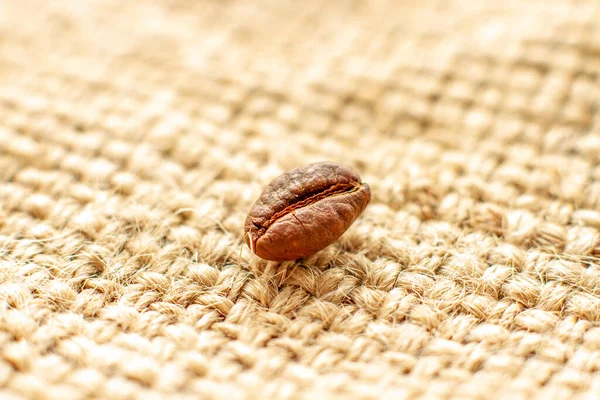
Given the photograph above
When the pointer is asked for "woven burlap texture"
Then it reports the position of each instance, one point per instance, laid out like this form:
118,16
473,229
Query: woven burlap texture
135,136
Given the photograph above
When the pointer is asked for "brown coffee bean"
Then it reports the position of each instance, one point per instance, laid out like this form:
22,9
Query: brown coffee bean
305,210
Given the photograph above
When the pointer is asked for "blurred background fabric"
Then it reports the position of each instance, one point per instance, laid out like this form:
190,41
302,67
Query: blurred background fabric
135,136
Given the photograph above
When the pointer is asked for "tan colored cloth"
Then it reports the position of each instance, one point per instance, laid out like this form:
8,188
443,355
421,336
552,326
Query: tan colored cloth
135,135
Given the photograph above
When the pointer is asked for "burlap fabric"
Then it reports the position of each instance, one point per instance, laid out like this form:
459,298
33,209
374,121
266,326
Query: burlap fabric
135,135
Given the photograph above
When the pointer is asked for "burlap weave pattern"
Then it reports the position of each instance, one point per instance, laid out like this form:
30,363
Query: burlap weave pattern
135,135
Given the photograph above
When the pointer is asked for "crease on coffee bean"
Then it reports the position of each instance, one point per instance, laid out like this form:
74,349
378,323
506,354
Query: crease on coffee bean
336,190
298,219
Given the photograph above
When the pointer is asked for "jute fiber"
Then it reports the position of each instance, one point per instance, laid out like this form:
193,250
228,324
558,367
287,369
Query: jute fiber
135,136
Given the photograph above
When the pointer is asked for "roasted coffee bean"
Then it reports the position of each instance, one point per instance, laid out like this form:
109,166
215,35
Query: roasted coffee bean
305,210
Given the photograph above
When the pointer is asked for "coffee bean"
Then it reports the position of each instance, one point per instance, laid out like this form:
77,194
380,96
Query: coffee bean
305,210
